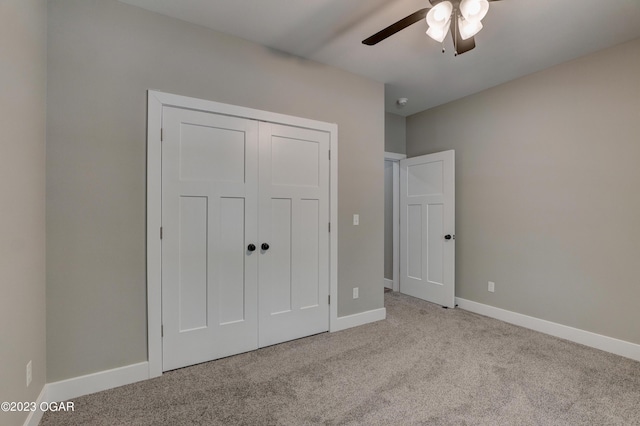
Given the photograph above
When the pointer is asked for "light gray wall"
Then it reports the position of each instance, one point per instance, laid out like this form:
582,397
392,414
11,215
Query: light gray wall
103,56
22,209
548,204
395,133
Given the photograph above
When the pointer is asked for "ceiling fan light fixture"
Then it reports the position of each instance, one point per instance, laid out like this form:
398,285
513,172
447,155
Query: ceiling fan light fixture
468,28
439,33
474,10
439,16
467,16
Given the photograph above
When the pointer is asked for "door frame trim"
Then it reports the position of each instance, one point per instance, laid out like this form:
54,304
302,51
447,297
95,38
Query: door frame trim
155,102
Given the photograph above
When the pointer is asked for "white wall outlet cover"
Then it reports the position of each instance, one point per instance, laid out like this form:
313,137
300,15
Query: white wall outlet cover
355,293
492,286
356,219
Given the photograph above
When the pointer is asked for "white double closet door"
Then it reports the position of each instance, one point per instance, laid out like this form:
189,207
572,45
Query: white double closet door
230,184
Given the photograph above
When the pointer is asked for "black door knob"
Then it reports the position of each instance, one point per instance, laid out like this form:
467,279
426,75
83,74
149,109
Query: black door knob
251,247
447,237
265,246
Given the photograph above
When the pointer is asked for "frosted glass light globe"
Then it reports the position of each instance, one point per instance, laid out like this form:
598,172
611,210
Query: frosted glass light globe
474,10
440,14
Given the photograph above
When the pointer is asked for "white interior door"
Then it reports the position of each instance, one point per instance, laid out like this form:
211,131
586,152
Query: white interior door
294,220
427,227
209,217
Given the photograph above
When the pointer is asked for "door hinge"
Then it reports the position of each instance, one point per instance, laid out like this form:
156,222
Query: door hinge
162,330
161,232
329,299
329,155
161,135
329,226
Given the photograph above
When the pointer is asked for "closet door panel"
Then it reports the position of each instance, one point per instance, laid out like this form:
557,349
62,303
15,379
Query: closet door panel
294,218
209,216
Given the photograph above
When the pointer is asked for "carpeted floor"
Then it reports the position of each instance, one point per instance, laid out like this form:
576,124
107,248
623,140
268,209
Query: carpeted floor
422,365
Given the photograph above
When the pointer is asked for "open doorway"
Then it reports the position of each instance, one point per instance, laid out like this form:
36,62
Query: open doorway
392,220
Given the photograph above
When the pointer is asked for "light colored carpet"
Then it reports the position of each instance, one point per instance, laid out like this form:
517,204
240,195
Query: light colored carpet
422,365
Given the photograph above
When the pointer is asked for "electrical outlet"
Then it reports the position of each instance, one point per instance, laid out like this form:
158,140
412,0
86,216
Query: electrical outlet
29,375
492,286
355,293
356,219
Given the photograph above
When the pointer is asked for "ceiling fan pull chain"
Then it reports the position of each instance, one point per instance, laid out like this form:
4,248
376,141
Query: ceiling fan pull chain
455,36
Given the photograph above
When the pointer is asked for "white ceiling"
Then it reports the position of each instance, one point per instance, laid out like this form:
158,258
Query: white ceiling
519,38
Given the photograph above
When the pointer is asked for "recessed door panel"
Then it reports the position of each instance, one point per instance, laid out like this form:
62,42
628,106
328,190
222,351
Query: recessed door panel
307,256
232,255
295,162
436,242
279,291
211,153
193,263
414,241
425,179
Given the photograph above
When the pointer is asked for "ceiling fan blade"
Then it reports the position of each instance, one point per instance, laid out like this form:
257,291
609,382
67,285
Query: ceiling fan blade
398,26
461,46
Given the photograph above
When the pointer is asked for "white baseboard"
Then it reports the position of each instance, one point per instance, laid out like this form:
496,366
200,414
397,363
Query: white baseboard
35,416
349,321
587,338
78,386
96,382
388,283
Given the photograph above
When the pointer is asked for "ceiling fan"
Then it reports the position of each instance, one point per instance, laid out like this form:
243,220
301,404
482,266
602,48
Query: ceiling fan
466,16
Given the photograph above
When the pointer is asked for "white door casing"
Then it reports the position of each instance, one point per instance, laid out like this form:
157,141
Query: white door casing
157,102
427,227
